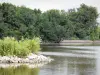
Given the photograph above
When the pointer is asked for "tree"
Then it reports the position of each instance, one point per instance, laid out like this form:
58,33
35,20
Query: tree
84,20
51,26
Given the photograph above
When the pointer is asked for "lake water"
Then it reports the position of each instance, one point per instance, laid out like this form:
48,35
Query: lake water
68,60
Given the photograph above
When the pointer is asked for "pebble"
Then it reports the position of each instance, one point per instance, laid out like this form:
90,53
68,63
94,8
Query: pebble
31,58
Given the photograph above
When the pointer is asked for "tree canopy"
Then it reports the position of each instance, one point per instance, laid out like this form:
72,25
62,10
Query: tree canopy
51,26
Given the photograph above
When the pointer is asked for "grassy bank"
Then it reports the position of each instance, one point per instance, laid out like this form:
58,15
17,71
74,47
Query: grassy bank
9,46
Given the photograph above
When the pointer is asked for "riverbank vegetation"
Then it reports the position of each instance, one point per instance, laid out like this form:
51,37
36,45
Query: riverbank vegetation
51,26
9,46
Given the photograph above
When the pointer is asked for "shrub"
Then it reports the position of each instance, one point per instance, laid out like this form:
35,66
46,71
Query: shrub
10,46
74,38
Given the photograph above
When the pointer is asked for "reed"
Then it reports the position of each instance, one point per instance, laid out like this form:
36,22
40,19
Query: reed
10,46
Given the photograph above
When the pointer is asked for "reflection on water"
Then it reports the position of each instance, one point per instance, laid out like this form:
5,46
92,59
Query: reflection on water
81,61
68,61
21,70
98,62
69,66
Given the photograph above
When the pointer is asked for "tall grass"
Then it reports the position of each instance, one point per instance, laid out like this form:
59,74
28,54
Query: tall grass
10,46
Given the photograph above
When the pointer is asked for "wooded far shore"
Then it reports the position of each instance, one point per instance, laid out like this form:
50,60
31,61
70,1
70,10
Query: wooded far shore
74,42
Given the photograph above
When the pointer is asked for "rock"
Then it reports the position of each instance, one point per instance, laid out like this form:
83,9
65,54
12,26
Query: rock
32,58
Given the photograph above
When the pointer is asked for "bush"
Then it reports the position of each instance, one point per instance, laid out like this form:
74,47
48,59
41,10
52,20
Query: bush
10,46
74,38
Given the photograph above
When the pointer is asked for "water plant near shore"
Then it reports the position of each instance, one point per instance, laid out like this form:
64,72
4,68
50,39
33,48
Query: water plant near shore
9,46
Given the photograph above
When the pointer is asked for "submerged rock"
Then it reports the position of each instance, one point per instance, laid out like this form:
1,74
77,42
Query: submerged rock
32,58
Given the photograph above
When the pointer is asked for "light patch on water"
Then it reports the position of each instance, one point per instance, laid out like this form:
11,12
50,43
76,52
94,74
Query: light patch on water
98,61
68,54
80,52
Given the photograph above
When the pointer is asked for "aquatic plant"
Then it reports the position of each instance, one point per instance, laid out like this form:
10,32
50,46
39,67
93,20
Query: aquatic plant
10,46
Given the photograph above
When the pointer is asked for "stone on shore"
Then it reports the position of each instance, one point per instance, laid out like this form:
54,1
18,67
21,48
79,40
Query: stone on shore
31,58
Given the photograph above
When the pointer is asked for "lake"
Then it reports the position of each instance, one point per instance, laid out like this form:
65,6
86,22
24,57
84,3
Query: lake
68,60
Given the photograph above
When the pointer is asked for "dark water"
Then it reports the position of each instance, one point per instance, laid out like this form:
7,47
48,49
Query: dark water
70,60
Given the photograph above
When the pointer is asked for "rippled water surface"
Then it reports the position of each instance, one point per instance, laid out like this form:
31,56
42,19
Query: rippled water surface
68,60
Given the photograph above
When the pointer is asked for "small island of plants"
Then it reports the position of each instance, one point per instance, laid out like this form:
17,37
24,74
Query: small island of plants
20,51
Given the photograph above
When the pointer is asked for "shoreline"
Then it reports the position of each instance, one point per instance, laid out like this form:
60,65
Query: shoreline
32,58
15,65
73,43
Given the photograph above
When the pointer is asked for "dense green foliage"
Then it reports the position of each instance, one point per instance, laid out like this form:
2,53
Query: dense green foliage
10,46
52,25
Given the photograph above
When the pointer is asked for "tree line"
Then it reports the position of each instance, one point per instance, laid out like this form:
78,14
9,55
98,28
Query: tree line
51,26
